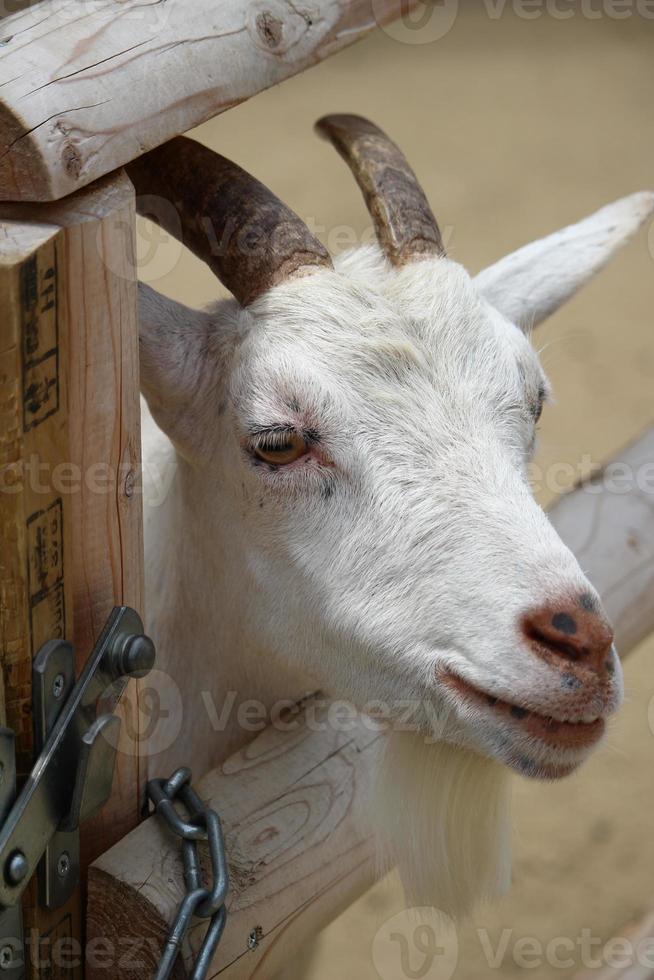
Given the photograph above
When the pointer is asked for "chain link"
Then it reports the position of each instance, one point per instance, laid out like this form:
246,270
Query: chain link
201,824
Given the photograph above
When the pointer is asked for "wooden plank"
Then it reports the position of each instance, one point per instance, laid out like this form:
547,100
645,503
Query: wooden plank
35,519
76,81
297,853
72,535
287,803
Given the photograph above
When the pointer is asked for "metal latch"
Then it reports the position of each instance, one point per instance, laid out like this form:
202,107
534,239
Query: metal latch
77,734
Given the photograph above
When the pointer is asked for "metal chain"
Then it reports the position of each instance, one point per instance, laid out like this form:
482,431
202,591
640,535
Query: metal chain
203,903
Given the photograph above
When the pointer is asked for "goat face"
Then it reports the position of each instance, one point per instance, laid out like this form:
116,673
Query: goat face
363,433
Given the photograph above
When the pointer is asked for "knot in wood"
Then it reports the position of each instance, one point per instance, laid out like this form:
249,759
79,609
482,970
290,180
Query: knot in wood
270,28
72,161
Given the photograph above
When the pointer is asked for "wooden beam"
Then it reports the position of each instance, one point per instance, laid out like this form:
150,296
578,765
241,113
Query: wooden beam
70,519
297,853
87,88
296,856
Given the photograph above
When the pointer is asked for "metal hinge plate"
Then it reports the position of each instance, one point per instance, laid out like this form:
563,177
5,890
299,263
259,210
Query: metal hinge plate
71,779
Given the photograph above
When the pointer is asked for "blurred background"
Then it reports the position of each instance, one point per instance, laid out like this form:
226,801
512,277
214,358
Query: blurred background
518,119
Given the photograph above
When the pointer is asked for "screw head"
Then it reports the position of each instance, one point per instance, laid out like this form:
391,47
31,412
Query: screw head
63,864
16,868
58,685
255,938
6,957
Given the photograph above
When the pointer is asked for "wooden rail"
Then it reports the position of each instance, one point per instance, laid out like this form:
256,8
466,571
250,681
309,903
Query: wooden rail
87,87
298,854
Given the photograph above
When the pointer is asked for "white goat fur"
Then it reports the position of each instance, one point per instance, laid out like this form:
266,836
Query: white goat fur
417,545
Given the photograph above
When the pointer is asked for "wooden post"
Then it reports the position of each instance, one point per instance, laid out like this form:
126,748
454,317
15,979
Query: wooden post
70,513
297,853
36,601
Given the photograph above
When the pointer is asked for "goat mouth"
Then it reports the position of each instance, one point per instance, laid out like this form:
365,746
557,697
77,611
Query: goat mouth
550,732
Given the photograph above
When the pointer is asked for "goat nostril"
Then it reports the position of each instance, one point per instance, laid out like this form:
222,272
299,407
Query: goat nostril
563,634
564,623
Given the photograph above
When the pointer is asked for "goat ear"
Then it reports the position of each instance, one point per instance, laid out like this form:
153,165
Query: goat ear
530,284
173,349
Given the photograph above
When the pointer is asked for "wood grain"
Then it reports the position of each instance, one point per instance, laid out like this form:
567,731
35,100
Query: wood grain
296,852
93,455
36,521
289,801
87,88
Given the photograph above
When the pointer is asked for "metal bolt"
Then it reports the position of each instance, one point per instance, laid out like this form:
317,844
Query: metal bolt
134,656
255,937
16,868
58,685
6,958
63,864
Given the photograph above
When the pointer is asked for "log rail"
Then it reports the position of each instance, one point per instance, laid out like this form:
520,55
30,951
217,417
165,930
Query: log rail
87,87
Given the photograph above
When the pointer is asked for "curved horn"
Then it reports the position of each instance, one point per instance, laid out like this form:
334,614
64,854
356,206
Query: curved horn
405,226
247,237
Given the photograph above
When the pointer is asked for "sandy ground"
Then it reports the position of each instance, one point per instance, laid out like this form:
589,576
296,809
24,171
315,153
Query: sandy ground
516,126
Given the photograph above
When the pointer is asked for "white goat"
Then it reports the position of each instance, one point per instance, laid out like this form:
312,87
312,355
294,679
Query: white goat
348,507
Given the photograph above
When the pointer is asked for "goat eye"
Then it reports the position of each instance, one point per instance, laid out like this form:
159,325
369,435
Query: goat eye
283,452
